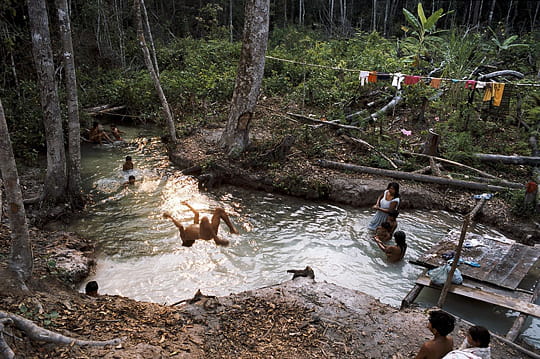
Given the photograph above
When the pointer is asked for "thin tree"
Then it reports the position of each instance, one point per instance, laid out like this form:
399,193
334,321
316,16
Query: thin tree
21,258
153,72
491,11
235,137
54,190
74,126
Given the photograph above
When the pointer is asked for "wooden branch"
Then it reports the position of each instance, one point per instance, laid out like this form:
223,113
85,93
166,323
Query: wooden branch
302,117
5,350
455,263
390,105
452,163
371,147
410,176
514,160
498,181
35,332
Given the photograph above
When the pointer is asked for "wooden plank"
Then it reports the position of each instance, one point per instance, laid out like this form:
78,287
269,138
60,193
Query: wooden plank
487,297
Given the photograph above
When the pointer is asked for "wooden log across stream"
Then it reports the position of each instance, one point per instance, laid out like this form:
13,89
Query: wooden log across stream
412,176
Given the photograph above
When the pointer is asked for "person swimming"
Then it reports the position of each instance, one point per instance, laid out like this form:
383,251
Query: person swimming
206,229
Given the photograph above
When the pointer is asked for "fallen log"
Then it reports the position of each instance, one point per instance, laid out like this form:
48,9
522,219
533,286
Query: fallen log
485,174
411,176
37,333
390,105
514,160
492,75
334,124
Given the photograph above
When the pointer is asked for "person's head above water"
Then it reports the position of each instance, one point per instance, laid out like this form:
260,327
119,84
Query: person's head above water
395,187
128,158
399,237
386,226
131,179
91,288
442,322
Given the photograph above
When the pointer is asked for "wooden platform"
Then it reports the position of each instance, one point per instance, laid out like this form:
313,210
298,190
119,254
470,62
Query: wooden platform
518,301
503,263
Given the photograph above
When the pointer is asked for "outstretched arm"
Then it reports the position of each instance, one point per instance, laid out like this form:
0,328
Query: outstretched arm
176,223
380,245
195,212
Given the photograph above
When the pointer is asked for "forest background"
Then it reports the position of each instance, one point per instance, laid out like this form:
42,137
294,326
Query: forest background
198,44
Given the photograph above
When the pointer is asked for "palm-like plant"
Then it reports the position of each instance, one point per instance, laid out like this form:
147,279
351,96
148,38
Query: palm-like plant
423,34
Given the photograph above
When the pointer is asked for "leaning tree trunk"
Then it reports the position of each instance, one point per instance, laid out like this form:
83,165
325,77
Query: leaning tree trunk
153,72
235,137
21,260
74,126
54,190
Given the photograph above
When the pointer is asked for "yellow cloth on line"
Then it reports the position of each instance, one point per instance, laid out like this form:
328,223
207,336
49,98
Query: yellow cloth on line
495,92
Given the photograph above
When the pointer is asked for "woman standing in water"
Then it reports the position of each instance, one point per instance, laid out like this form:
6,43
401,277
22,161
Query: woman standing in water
386,203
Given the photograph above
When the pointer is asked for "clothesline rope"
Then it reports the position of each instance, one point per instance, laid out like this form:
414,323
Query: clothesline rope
354,70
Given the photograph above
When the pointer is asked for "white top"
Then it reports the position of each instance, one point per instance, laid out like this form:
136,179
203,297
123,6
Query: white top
384,203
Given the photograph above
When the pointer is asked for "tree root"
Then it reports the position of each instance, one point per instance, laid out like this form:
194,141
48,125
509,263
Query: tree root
37,333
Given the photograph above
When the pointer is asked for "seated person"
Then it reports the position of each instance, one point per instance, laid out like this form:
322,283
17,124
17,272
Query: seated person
128,165
440,324
116,132
97,135
475,345
392,219
91,288
382,233
397,252
206,229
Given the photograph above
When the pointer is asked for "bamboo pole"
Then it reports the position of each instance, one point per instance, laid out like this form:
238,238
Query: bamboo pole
455,263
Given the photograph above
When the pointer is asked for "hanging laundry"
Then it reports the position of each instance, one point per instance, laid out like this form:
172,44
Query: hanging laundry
498,90
470,84
363,77
397,80
435,83
372,77
411,80
494,92
480,84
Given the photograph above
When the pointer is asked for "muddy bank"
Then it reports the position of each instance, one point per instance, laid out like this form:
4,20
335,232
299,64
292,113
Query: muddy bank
300,318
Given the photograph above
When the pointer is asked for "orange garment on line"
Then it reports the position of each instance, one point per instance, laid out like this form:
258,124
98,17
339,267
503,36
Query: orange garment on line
494,92
372,77
435,83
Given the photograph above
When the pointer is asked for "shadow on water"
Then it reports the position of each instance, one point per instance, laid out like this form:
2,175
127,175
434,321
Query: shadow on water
140,253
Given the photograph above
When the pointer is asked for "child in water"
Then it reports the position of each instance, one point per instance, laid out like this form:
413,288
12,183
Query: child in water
128,165
383,232
116,132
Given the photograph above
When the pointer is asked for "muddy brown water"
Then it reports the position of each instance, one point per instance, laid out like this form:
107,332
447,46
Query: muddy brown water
140,254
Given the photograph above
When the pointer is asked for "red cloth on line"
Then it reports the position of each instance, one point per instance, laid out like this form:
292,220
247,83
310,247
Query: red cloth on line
372,77
470,84
411,80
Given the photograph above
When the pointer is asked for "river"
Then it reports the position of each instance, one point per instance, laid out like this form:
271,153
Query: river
140,254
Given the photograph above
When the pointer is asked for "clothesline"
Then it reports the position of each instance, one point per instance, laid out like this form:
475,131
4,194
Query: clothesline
387,74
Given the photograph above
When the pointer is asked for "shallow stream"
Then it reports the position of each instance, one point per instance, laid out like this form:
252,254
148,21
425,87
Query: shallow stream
140,254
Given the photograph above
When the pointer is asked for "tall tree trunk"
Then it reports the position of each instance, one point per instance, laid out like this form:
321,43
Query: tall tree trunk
56,179
491,11
150,38
152,71
507,21
533,22
374,18
74,126
235,137
386,11
231,37
331,13
21,259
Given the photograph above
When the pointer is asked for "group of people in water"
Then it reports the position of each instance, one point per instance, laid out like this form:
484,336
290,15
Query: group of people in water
441,324
384,223
97,134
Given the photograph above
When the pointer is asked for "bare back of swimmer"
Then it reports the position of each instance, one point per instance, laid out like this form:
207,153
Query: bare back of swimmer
206,229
